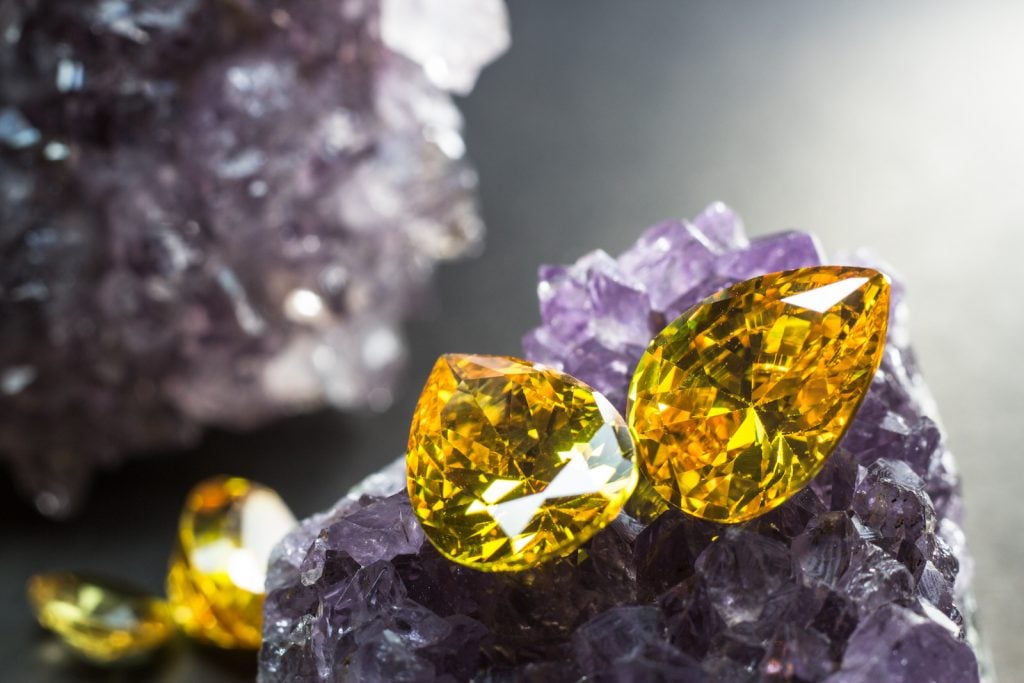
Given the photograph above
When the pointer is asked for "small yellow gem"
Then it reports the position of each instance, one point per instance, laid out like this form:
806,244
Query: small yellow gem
103,621
218,570
512,463
737,403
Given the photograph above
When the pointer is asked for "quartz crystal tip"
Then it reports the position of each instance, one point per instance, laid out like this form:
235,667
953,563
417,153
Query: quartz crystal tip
103,621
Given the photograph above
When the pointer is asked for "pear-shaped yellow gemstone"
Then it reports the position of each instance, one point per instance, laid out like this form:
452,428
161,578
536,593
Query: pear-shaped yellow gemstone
737,403
512,463
101,620
218,571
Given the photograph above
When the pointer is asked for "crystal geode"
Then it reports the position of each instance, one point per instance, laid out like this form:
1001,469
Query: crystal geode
218,211
861,577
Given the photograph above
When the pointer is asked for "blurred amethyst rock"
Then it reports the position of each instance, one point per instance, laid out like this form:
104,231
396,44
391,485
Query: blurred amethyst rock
217,212
862,577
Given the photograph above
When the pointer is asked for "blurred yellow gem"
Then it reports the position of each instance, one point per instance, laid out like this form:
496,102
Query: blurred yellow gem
103,621
737,403
218,570
512,463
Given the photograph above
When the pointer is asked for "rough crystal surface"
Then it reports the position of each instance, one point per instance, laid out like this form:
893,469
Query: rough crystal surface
218,212
861,577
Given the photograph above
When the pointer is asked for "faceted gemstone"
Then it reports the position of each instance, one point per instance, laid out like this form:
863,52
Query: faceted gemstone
216,581
737,403
511,463
101,620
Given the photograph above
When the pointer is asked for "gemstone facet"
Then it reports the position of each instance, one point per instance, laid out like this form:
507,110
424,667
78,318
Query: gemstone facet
216,580
511,463
101,620
737,403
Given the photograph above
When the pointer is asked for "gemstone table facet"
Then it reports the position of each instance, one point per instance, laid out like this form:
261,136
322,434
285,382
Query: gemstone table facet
511,463
103,621
216,580
737,403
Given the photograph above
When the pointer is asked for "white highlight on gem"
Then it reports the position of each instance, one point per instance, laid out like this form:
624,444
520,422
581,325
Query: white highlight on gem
513,516
498,489
824,298
577,478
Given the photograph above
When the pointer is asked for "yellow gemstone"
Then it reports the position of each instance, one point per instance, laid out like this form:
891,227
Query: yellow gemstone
103,621
737,403
218,570
512,463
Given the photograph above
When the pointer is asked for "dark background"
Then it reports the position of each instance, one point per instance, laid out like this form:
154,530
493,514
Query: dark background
898,127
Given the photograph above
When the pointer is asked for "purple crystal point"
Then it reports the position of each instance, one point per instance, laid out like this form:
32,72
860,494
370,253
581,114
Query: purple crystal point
722,226
597,300
863,576
218,212
900,645
670,258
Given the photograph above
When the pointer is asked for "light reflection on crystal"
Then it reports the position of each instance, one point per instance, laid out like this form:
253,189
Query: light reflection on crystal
823,298
303,305
15,379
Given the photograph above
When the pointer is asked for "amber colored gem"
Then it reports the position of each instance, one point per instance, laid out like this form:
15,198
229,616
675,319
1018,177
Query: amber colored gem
737,403
218,571
103,621
512,463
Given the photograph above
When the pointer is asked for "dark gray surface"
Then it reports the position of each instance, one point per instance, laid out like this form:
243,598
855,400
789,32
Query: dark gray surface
901,128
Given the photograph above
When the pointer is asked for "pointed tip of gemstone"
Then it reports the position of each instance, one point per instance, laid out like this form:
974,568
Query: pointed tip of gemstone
736,404
511,463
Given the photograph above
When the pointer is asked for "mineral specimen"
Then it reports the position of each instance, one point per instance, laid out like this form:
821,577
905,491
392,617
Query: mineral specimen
511,464
217,212
861,577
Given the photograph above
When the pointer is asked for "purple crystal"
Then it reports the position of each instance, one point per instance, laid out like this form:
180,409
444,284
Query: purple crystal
901,645
218,212
863,576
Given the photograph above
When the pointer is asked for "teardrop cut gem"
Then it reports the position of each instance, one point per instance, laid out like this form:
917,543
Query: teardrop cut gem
215,583
511,463
104,621
737,403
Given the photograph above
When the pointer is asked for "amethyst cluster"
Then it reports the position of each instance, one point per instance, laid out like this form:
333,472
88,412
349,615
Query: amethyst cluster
860,578
218,211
